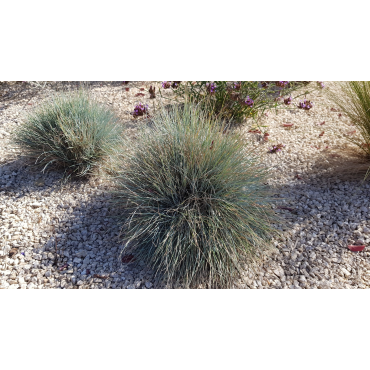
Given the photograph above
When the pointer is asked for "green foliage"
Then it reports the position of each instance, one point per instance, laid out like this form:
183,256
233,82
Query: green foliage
229,100
353,99
72,131
194,196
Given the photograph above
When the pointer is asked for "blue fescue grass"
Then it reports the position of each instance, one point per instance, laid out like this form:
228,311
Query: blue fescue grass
194,204
354,100
71,131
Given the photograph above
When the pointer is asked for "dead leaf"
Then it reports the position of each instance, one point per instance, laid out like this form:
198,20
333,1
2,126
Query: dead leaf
128,258
61,268
356,248
255,131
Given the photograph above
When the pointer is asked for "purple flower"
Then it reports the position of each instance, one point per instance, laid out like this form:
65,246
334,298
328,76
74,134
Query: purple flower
140,110
249,102
321,84
211,87
281,83
276,148
287,101
175,84
166,84
237,85
306,105
265,84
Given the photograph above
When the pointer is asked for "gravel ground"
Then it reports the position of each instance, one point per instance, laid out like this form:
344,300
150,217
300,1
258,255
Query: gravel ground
54,236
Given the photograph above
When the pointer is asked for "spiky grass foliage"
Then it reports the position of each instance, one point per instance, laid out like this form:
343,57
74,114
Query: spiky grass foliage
353,98
72,131
195,200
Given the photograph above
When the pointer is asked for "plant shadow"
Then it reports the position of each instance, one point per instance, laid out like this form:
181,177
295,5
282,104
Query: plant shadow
84,245
19,176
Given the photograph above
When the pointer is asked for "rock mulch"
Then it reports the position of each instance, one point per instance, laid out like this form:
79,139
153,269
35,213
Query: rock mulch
65,236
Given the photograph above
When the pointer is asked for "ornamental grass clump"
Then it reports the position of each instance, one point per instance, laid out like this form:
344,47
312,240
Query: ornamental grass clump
193,199
353,98
72,131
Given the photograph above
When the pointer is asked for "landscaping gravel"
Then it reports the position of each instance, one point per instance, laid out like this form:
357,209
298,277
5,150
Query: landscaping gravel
65,236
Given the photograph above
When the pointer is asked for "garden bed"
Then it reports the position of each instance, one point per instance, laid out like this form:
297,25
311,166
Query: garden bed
64,236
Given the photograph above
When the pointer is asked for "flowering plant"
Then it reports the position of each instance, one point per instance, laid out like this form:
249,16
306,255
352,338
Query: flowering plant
276,148
140,110
235,100
305,104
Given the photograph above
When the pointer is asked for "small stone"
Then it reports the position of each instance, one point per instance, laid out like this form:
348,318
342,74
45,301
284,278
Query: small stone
148,284
39,182
36,205
279,272
294,256
4,285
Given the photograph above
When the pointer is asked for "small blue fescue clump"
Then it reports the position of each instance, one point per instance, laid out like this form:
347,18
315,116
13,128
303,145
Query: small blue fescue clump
71,131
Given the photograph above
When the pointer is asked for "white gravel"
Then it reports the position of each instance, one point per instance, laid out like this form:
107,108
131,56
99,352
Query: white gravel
40,219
